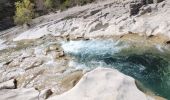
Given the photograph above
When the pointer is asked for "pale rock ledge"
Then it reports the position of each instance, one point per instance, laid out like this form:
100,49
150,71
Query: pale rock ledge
104,84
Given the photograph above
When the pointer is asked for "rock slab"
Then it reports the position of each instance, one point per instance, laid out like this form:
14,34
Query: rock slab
104,84
19,94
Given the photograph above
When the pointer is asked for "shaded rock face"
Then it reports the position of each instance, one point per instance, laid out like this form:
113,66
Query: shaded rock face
104,84
7,10
136,5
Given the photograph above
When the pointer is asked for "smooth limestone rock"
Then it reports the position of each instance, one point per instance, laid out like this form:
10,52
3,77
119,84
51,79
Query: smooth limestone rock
105,19
24,94
104,84
11,84
19,94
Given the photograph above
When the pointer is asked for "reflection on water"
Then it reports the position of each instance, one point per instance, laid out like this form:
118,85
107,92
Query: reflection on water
148,65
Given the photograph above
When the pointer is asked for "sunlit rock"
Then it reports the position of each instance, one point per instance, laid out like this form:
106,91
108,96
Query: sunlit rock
104,84
19,94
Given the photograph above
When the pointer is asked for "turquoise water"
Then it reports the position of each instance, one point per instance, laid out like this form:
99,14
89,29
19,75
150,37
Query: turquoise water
149,65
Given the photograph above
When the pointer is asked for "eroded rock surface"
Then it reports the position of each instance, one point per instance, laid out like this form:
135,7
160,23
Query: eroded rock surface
19,94
104,19
104,84
40,64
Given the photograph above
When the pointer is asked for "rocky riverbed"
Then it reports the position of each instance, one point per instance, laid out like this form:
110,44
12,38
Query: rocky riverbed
147,63
54,65
58,56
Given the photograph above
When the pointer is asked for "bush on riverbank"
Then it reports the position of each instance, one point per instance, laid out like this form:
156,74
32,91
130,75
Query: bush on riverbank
24,11
49,4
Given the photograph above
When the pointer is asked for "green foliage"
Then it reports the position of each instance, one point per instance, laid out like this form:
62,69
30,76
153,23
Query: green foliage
83,2
49,4
66,4
24,11
25,8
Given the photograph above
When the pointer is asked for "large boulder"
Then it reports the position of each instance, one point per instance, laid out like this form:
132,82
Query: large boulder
104,84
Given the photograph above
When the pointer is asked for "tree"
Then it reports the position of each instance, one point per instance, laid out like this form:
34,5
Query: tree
24,11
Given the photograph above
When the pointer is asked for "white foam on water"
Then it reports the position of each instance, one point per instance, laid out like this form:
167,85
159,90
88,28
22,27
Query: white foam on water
82,66
76,65
160,48
97,47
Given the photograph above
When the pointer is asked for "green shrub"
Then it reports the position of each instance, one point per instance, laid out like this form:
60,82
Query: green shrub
49,4
24,11
83,2
64,5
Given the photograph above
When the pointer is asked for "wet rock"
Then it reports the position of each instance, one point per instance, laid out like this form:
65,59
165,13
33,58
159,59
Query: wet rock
70,80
